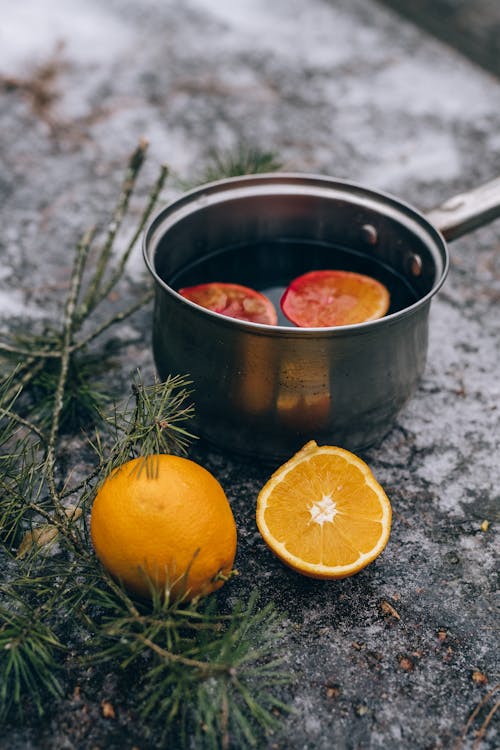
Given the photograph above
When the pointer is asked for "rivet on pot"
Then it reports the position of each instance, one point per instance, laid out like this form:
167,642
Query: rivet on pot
415,264
369,234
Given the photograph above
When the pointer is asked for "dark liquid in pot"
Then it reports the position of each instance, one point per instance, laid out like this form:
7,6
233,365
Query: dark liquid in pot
269,267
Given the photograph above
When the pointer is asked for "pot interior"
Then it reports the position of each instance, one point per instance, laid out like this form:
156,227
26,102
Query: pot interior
269,267
263,231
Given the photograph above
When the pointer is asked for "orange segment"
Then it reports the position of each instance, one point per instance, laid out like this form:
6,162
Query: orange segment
323,513
320,299
233,300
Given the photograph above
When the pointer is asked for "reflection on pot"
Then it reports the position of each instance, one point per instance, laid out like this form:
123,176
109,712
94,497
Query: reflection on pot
304,412
303,402
255,385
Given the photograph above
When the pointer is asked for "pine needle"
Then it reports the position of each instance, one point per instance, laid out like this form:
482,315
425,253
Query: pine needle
242,160
201,670
151,421
29,663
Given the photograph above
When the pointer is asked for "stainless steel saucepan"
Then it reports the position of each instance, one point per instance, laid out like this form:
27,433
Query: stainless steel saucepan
263,390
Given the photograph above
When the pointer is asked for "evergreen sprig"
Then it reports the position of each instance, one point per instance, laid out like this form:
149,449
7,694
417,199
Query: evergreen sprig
150,422
28,662
242,160
199,672
43,358
202,673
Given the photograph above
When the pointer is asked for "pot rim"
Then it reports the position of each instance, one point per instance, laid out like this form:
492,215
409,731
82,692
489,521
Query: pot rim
210,193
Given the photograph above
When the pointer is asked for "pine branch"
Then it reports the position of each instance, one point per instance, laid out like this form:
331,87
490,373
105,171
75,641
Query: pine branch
28,662
42,354
151,422
23,423
203,675
113,320
31,353
152,200
94,295
203,669
244,159
50,460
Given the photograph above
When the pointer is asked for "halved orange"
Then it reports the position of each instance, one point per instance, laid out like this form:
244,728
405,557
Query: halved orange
233,300
323,513
319,299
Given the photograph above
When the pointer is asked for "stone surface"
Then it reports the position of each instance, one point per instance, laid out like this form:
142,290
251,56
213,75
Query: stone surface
471,27
389,658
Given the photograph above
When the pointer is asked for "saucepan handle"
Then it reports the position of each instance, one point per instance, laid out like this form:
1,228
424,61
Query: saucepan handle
465,212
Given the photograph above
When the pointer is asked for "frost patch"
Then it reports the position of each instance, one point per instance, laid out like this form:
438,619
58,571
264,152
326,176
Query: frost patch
327,36
31,30
13,305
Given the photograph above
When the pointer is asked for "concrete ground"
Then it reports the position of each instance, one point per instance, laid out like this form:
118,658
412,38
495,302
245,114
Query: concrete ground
400,655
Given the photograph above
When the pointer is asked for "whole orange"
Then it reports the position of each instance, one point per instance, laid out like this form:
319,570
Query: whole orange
164,522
